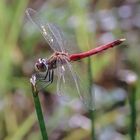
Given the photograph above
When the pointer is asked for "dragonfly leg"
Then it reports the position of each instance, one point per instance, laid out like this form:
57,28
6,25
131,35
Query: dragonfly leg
51,76
46,75
42,83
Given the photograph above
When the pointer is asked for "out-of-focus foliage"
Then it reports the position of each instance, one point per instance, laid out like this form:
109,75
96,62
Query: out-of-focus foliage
87,24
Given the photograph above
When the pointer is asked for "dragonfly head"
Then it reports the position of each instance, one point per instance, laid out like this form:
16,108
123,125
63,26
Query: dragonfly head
41,65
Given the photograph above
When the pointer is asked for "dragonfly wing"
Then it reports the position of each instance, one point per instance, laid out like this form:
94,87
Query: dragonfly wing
50,32
58,35
65,83
83,91
69,84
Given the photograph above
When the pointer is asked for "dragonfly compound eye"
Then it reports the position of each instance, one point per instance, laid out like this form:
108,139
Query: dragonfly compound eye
40,66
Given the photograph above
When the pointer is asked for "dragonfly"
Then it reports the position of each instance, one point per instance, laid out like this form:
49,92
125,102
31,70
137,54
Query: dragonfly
60,62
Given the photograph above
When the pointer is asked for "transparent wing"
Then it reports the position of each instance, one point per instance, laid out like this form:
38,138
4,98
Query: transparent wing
70,86
50,32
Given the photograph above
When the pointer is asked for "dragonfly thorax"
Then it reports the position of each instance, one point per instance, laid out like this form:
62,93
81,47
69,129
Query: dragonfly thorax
58,59
41,65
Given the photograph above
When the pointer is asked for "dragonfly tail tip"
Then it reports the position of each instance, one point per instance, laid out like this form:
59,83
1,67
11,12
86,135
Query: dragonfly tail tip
123,39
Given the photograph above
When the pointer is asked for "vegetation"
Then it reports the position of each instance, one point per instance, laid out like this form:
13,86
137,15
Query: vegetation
113,75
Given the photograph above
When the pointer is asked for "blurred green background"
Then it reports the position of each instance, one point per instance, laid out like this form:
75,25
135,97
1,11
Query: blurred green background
115,72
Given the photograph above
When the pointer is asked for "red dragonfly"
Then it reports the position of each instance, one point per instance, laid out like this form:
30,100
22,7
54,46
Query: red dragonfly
59,61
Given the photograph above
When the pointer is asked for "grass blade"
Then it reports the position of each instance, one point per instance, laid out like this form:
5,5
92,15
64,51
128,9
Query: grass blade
133,115
39,113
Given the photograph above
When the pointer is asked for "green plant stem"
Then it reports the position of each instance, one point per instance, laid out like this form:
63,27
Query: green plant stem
40,115
132,101
91,112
